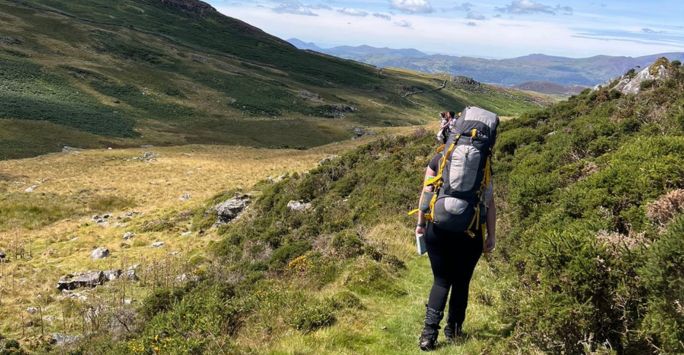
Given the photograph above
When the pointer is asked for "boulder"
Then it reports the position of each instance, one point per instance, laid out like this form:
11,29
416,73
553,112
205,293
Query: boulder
157,244
3,256
229,210
84,279
31,188
128,235
68,149
63,339
185,197
299,206
32,310
632,85
112,275
131,273
99,253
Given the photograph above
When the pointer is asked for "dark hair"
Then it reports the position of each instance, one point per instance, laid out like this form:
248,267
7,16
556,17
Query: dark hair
452,114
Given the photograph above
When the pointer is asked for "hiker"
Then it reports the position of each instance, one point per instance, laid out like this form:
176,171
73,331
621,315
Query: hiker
457,218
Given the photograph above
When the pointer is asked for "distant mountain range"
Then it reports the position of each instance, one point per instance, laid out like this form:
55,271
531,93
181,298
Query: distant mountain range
537,68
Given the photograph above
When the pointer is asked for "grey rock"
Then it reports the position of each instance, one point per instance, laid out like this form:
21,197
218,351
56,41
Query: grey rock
84,279
3,256
199,58
112,275
128,235
32,310
68,149
63,339
31,188
186,234
74,295
337,110
299,206
131,273
361,132
99,253
183,278
148,156
229,210
157,244
310,96
632,85
11,41
185,197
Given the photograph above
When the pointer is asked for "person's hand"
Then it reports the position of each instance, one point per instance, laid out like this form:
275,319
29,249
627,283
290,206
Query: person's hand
490,244
420,230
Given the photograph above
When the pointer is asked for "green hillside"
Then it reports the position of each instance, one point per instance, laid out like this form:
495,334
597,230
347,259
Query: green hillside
590,253
126,73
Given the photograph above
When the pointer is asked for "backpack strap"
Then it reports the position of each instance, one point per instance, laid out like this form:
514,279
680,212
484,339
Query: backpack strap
476,218
436,181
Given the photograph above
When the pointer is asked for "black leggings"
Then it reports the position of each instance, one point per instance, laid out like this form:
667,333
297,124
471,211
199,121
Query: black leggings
453,257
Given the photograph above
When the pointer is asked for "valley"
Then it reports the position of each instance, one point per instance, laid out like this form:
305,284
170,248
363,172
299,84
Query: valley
174,180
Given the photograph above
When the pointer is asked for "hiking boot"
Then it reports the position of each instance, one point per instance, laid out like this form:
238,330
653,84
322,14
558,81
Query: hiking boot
452,332
428,338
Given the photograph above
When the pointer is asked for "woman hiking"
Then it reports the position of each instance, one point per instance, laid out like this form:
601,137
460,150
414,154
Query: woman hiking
453,253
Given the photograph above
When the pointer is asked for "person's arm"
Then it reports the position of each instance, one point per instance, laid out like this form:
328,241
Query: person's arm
490,242
420,227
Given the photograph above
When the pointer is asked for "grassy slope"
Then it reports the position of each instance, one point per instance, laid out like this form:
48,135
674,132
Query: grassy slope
342,277
138,72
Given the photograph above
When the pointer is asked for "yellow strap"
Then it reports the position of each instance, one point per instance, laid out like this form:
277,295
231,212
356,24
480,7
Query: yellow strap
440,148
411,213
473,133
436,181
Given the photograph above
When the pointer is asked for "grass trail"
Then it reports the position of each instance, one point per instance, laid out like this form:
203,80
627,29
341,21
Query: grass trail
391,325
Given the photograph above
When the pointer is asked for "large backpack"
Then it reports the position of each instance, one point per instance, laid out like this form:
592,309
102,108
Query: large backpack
464,173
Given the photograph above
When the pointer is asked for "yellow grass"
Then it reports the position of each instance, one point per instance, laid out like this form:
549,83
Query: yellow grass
155,187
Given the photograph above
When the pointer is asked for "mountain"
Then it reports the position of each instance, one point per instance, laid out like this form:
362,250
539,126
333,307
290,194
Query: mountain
584,72
305,45
549,88
97,74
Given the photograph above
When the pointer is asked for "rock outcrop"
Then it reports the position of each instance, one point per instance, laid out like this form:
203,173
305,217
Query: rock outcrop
299,206
81,280
99,253
633,82
90,279
228,210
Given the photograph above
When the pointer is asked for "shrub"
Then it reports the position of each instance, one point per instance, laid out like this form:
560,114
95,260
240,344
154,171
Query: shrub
345,300
347,244
160,301
310,317
666,207
662,278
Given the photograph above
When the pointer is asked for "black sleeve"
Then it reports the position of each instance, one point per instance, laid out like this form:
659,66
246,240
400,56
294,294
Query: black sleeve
434,163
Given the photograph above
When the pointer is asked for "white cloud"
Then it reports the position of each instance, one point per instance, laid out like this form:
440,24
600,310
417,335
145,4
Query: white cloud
522,7
498,37
383,16
403,23
353,12
294,8
412,6
475,16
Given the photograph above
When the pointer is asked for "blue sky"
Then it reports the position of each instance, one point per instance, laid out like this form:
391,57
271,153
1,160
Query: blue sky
493,29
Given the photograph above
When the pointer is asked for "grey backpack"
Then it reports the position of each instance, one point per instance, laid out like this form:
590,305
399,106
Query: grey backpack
465,170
